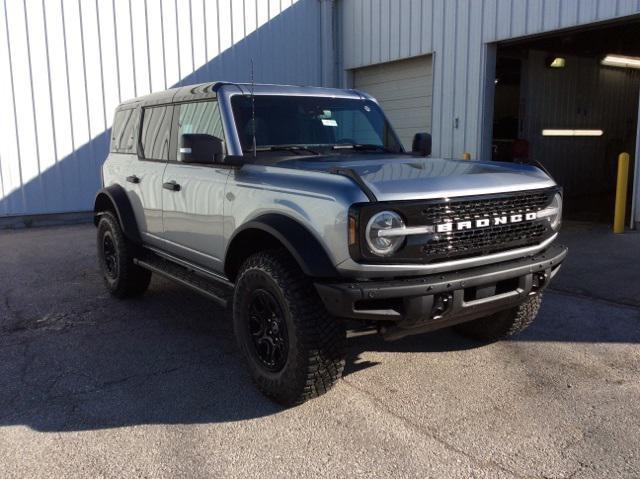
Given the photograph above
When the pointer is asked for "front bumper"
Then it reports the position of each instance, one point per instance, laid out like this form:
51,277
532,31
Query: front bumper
409,306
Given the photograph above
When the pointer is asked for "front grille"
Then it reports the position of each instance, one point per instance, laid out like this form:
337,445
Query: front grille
493,239
464,243
486,240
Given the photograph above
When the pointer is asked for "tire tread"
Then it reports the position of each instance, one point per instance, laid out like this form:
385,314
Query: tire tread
320,359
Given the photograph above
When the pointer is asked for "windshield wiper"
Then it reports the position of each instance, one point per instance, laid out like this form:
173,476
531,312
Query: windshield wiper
297,149
363,147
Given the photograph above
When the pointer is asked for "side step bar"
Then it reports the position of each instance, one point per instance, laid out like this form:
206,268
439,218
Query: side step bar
218,291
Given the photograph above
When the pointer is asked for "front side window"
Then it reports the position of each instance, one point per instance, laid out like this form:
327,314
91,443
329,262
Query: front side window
123,131
156,129
201,117
306,121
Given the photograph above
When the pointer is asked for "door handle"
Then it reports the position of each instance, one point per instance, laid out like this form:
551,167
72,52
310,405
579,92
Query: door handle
133,179
171,186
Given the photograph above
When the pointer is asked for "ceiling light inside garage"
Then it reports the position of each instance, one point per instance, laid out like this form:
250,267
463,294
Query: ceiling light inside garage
556,132
621,61
557,62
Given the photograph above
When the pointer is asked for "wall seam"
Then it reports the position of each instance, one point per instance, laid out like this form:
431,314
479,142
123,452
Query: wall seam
146,29
86,88
193,53
115,41
164,56
466,90
133,53
66,68
456,125
33,101
206,38
481,72
104,100
175,3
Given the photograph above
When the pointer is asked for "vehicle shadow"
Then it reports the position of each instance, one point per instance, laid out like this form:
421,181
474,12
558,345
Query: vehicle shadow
167,358
170,357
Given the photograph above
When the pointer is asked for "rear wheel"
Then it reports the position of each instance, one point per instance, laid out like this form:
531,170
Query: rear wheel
294,349
504,324
121,276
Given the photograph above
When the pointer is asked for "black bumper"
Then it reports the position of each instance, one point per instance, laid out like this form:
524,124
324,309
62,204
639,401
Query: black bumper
431,302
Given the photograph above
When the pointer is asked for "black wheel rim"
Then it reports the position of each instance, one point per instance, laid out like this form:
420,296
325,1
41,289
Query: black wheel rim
110,256
267,330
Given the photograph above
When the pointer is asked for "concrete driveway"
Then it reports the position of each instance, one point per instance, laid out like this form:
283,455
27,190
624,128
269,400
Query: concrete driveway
95,387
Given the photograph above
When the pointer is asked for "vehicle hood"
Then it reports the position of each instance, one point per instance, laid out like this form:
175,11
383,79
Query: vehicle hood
403,177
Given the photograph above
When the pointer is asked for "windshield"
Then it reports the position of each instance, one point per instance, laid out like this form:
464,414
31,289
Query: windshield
289,121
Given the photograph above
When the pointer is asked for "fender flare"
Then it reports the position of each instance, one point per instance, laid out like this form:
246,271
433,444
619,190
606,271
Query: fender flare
117,196
308,252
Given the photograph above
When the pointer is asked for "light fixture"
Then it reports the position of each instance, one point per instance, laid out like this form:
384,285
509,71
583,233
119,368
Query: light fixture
558,132
556,62
621,61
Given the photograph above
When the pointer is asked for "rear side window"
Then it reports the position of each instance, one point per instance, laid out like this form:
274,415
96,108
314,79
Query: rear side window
156,129
124,130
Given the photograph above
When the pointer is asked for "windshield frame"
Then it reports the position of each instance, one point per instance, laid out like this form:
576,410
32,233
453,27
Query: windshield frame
233,141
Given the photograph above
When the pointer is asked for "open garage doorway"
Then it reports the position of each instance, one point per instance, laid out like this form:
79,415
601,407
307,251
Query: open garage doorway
557,103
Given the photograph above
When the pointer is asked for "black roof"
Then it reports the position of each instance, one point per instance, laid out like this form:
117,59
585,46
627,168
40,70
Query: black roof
209,90
189,92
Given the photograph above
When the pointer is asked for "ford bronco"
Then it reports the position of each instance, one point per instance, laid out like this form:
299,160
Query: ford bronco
299,208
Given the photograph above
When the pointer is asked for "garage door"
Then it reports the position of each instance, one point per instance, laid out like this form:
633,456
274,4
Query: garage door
404,90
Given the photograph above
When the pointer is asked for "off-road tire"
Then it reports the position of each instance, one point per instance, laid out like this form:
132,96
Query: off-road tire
315,351
504,324
122,277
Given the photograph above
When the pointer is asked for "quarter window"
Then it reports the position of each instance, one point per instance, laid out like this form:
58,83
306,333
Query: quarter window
156,128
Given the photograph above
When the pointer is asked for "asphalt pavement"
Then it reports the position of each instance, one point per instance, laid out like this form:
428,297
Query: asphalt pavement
154,387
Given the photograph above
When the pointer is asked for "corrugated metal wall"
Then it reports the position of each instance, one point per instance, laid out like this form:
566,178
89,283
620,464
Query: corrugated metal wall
457,31
66,64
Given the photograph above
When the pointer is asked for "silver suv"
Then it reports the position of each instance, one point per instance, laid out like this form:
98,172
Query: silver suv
300,208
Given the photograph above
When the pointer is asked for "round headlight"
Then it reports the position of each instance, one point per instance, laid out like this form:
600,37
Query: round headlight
556,218
383,237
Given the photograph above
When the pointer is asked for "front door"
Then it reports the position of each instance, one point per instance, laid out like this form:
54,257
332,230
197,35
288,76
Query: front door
193,194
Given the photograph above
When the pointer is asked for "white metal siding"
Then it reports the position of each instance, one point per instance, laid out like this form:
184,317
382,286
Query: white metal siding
376,31
403,89
66,64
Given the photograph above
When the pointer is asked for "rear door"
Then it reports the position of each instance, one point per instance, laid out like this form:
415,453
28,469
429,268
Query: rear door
144,180
138,156
193,197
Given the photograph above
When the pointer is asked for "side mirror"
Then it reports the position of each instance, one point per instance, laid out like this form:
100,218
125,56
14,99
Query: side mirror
200,148
421,144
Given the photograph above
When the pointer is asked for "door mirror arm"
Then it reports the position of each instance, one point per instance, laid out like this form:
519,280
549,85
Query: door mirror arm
236,161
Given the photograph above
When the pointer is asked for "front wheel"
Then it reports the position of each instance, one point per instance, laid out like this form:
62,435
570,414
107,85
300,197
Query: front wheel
294,349
503,324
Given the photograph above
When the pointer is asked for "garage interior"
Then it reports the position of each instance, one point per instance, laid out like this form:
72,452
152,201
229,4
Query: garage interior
558,82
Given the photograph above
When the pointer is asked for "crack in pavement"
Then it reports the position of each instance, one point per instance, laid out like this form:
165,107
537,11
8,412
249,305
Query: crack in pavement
429,432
